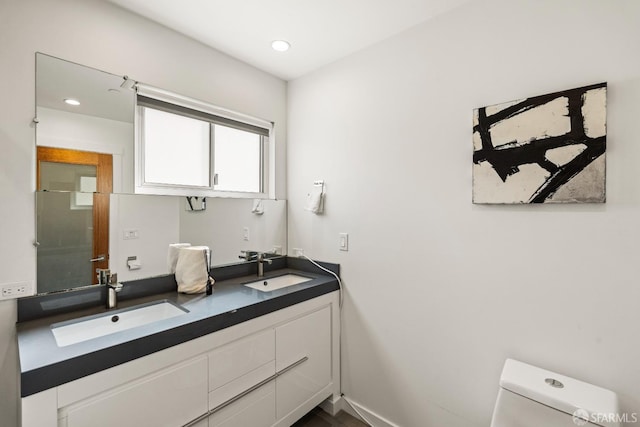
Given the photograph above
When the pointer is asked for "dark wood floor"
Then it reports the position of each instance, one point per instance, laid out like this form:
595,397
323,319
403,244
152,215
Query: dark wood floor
319,418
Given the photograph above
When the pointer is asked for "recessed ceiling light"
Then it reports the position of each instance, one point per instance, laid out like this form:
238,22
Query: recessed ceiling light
280,45
72,101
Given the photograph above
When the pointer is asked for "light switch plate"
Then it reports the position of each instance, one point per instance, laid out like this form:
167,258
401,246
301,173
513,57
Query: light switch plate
344,241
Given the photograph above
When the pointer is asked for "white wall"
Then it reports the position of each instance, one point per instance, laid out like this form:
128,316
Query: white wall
440,291
96,34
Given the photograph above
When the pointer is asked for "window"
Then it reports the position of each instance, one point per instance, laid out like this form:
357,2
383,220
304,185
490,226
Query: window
237,159
176,149
186,147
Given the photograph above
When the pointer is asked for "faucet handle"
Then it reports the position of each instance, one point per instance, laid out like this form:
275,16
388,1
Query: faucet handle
103,275
113,283
262,258
116,286
248,255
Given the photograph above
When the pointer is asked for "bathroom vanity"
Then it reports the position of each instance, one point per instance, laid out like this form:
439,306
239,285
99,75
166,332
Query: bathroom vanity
240,357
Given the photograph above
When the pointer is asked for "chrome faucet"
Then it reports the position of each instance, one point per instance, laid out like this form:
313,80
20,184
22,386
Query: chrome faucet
261,261
110,280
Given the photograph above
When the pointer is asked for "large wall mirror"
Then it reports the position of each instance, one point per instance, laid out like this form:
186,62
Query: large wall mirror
87,214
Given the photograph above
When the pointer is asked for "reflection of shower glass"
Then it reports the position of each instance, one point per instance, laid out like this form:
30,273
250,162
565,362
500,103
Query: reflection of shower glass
66,177
81,179
65,237
65,225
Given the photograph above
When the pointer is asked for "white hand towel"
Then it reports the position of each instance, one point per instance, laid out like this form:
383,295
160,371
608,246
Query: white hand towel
172,255
315,200
192,274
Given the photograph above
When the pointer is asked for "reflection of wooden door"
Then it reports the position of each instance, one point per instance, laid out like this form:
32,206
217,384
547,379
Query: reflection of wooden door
104,185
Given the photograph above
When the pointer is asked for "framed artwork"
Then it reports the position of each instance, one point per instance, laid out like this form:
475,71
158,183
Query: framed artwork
545,149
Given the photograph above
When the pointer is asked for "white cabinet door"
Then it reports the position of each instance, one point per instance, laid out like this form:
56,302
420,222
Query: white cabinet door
171,397
40,409
256,409
308,336
240,365
236,369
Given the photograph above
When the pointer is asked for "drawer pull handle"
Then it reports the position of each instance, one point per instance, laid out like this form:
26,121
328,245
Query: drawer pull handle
244,393
290,367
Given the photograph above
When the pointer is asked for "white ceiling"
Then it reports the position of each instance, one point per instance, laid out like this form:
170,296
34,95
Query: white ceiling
320,31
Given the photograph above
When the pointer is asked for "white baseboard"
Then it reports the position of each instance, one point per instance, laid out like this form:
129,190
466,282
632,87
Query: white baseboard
333,406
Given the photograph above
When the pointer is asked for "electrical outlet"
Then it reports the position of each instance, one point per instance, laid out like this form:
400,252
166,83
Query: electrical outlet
14,290
245,234
130,234
299,252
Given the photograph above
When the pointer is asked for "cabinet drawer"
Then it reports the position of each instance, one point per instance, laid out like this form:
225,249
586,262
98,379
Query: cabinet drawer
257,409
236,387
169,398
241,357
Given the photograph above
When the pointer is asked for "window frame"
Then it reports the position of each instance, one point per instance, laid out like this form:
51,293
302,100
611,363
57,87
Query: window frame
168,100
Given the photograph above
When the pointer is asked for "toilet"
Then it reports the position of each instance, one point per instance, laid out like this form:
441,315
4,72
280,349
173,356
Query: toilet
533,397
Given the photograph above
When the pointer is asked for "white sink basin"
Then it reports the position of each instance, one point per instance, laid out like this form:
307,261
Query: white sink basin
279,282
86,328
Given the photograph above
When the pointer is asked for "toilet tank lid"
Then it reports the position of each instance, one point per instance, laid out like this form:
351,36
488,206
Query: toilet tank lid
565,394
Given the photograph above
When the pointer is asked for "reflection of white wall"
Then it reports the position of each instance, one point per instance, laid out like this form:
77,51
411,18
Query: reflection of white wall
221,227
57,128
162,220
156,220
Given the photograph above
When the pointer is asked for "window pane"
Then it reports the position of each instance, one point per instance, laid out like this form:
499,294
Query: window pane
237,160
176,149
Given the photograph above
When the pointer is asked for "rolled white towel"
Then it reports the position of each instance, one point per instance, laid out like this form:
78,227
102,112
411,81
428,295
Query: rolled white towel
192,274
172,255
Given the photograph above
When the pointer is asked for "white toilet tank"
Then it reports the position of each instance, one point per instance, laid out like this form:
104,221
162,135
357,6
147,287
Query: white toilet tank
534,397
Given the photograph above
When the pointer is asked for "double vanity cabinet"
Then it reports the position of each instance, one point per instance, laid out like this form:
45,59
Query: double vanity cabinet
262,371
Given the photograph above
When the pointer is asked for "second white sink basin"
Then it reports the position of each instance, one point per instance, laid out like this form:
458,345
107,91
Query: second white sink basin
279,282
86,328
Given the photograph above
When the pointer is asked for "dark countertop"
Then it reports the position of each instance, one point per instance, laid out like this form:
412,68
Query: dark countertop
44,365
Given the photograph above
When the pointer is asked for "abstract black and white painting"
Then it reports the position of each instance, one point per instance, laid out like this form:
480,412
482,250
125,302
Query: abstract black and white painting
545,149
